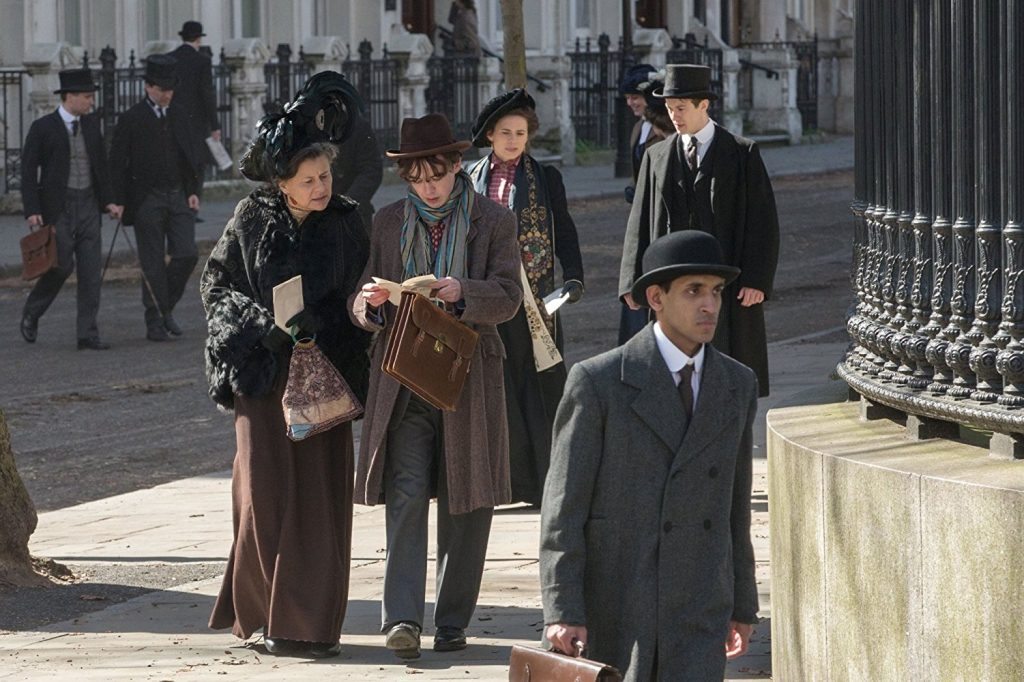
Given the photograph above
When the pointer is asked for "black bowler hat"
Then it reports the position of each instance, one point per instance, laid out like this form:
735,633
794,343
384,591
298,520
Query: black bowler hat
495,109
191,30
687,252
687,81
635,76
161,71
76,80
427,136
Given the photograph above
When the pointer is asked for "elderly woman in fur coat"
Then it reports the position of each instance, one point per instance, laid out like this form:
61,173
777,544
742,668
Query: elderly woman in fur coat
288,569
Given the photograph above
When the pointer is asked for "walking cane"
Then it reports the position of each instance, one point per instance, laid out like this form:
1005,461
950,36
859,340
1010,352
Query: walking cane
110,252
135,254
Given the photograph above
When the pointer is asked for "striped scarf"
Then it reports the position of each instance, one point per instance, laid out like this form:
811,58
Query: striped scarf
417,251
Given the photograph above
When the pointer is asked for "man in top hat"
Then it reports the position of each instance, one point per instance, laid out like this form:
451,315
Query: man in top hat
646,556
705,178
64,183
410,451
154,174
194,94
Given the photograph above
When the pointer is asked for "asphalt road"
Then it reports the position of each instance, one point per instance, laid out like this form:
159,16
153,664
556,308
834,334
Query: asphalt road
87,425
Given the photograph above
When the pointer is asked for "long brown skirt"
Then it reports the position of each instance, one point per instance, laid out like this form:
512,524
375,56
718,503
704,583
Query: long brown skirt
288,569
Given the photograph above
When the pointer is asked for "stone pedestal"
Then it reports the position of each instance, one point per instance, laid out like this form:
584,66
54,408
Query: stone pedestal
652,46
556,134
44,61
412,50
324,53
774,99
891,559
245,57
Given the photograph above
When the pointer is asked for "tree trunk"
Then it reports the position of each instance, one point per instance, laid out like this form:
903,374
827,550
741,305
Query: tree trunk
514,46
17,520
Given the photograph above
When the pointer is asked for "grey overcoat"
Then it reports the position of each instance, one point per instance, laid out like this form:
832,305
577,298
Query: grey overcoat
645,531
476,434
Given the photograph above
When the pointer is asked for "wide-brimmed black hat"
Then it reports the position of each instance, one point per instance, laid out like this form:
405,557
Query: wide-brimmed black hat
191,30
322,111
161,71
76,80
634,77
687,81
687,252
427,136
495,109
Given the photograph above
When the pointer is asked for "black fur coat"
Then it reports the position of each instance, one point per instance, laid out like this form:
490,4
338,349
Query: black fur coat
261,247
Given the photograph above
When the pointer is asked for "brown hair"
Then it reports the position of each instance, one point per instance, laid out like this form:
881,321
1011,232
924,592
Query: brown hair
532,122
427,167
313,151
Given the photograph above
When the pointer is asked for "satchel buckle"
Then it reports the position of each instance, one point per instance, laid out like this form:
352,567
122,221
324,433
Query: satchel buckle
439,343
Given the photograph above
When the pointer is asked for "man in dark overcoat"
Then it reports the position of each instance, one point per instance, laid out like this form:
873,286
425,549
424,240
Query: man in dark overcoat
645,555
708,179
154,172
409,450
359,167
194,94
64,183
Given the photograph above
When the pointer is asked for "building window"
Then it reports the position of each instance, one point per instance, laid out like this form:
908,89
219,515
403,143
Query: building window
251,19
700,10
583,14
73,21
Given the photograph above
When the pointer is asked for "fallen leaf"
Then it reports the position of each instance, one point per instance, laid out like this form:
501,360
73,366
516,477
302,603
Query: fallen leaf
92,597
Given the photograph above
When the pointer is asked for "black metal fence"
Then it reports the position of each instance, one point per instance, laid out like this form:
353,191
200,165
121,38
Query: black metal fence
13,126
806,53
454,88
593,87
687,50
939,240
284,77
377,82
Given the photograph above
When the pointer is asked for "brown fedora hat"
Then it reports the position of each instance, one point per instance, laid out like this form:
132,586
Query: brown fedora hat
427,136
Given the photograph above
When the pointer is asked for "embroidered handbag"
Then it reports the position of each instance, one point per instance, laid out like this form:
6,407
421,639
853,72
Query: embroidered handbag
316,396
38,252
429,351
528,664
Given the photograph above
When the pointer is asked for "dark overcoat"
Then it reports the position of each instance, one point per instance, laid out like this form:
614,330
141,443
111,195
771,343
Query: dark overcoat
475,434
358,170
46,164
195,97
645,526
733,200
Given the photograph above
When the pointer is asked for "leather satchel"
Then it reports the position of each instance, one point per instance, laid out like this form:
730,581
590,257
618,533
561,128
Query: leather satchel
38,252
538,665
429,351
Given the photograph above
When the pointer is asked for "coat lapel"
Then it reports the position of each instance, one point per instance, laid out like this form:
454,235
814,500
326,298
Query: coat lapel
658,404
716,408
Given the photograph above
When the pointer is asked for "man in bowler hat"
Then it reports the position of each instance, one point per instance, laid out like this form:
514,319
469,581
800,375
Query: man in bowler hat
411,451
194,94
705,178
154,173
646,556
64,183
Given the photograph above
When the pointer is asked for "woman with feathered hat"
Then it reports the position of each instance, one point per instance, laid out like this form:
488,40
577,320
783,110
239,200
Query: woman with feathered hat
534,370
288,569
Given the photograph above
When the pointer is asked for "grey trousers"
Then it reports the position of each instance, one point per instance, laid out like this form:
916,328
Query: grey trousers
414,458
78,239
165,223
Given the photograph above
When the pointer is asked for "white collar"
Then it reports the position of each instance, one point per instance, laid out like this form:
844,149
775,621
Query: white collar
674,357
66,116
704,135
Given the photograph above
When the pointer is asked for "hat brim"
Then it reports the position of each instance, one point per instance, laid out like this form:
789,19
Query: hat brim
458,146
672,94
61,91
165,83
670,272
521,101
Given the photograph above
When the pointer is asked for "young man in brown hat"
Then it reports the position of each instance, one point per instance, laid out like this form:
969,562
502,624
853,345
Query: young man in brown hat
645,554
409,450
64,183
705,178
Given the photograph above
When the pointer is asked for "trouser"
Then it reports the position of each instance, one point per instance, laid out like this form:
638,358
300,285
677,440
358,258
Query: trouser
415,454
78,239
164,222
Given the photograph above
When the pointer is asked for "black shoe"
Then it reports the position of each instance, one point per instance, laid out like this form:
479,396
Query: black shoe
93,343
449,638
404,639
29,328
156,332
285,647
324,649
171,326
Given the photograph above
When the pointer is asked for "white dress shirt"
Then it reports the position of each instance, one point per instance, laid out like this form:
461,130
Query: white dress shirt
645,132
68,119
704,137
676,359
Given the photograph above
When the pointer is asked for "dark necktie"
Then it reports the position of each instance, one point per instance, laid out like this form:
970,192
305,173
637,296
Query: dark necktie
686,388
74,128
436,233
691,154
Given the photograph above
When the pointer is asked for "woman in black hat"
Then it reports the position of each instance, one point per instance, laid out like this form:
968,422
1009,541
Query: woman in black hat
288,569
534,370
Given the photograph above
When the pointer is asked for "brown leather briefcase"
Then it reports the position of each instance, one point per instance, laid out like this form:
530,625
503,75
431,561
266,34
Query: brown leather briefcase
537,665
429,351
38,252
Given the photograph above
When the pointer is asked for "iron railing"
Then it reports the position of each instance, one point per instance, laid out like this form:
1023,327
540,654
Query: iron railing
377,83
593,88
13,115
284,77
454,88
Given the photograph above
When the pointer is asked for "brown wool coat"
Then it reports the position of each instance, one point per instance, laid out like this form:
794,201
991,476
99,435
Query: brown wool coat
476,434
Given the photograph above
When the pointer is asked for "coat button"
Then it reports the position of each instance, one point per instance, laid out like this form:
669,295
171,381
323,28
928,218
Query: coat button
667,527
707,524
713,472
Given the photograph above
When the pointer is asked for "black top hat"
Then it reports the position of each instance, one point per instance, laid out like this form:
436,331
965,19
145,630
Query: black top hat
76,80
634,77
191,30
427,136
495,109
322,111
687,252
687,81
161,71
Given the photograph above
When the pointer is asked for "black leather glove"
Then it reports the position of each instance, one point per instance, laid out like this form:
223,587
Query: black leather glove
574,288
630,192
276,339
308,323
